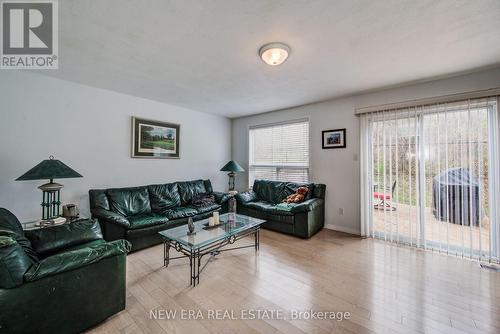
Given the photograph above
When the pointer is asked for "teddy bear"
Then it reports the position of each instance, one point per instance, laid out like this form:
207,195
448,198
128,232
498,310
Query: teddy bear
298,196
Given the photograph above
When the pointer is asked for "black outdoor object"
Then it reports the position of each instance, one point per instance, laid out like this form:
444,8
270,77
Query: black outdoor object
455,197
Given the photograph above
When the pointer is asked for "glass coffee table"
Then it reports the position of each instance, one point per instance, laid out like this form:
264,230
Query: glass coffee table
209,240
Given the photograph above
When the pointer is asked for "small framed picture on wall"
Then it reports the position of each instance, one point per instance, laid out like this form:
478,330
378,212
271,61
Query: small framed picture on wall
334,138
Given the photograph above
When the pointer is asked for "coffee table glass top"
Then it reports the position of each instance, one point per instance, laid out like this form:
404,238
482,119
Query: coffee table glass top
231,224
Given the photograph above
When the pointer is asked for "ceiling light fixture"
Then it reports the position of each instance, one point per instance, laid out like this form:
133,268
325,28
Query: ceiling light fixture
274,53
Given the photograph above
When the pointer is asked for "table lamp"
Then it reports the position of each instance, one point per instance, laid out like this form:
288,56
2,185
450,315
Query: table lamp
50,169
232,167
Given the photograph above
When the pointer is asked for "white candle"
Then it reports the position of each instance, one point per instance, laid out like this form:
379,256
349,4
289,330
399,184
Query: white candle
216,217
211,221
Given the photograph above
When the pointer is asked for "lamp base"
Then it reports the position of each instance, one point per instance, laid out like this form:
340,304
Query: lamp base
51,186
231,180
51,200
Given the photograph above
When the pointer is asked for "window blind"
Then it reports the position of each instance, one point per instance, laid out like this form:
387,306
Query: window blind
279,152
430,176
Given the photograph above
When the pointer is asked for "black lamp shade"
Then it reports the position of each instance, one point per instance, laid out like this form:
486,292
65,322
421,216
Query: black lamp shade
232,166
49,169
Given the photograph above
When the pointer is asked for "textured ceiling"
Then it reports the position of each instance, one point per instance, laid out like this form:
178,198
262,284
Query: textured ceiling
203,55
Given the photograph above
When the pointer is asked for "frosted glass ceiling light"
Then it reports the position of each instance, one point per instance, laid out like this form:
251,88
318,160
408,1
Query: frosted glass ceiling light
274,53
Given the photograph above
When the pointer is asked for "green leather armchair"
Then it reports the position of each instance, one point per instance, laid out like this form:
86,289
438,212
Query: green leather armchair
62,279
301,219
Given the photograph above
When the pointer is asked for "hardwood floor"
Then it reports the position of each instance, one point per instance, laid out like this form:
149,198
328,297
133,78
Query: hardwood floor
385,288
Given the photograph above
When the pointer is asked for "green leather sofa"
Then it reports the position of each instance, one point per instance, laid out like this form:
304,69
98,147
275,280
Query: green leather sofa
137,214
62,279
302,219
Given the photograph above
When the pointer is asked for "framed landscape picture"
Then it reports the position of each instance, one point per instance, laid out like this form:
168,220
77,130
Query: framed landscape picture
334,138
154,139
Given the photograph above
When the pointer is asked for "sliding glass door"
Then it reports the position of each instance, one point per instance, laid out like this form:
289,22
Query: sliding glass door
428,178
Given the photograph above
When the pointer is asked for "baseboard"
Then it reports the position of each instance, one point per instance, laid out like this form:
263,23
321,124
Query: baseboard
342,229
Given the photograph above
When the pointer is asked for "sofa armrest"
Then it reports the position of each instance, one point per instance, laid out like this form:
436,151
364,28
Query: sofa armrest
70,260
110,216
246,197
308,205
220,197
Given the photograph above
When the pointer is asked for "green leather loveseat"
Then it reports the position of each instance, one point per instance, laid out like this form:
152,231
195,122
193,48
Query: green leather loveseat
62,279
301,219
137,214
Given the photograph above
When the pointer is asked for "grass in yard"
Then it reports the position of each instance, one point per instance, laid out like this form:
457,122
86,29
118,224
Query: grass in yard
167,144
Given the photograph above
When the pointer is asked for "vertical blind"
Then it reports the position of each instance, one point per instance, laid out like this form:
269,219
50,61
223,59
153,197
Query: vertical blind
430,177
279,152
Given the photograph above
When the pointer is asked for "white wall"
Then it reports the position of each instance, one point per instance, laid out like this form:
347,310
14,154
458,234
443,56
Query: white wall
339,168
89,129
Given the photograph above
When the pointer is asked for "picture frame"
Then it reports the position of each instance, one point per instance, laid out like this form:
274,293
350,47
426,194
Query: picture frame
334,138
155,139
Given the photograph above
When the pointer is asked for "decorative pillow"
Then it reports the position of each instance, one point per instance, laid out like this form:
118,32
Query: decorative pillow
202,200
13,263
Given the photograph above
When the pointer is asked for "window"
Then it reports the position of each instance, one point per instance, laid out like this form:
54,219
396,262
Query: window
429,176
279,152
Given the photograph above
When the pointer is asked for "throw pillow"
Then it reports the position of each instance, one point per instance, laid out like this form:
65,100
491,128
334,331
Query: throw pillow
203,200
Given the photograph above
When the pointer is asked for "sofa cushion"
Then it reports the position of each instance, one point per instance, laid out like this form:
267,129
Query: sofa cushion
267,216
153,230
261,205
13,263
46,241
98,199
189,189
267,207
205,208
129,201
269,191
164,197
208,186
181,212
146,220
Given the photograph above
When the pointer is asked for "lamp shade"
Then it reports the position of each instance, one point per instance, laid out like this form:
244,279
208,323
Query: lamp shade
49,169
232,166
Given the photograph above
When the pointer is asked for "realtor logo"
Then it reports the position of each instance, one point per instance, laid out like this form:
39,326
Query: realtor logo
29,35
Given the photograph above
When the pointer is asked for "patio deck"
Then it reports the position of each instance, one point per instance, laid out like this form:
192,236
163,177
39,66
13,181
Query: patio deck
404,222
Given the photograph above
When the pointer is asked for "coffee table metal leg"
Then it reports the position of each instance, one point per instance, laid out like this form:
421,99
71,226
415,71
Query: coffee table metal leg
199,263
166,253
257,239
191,262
